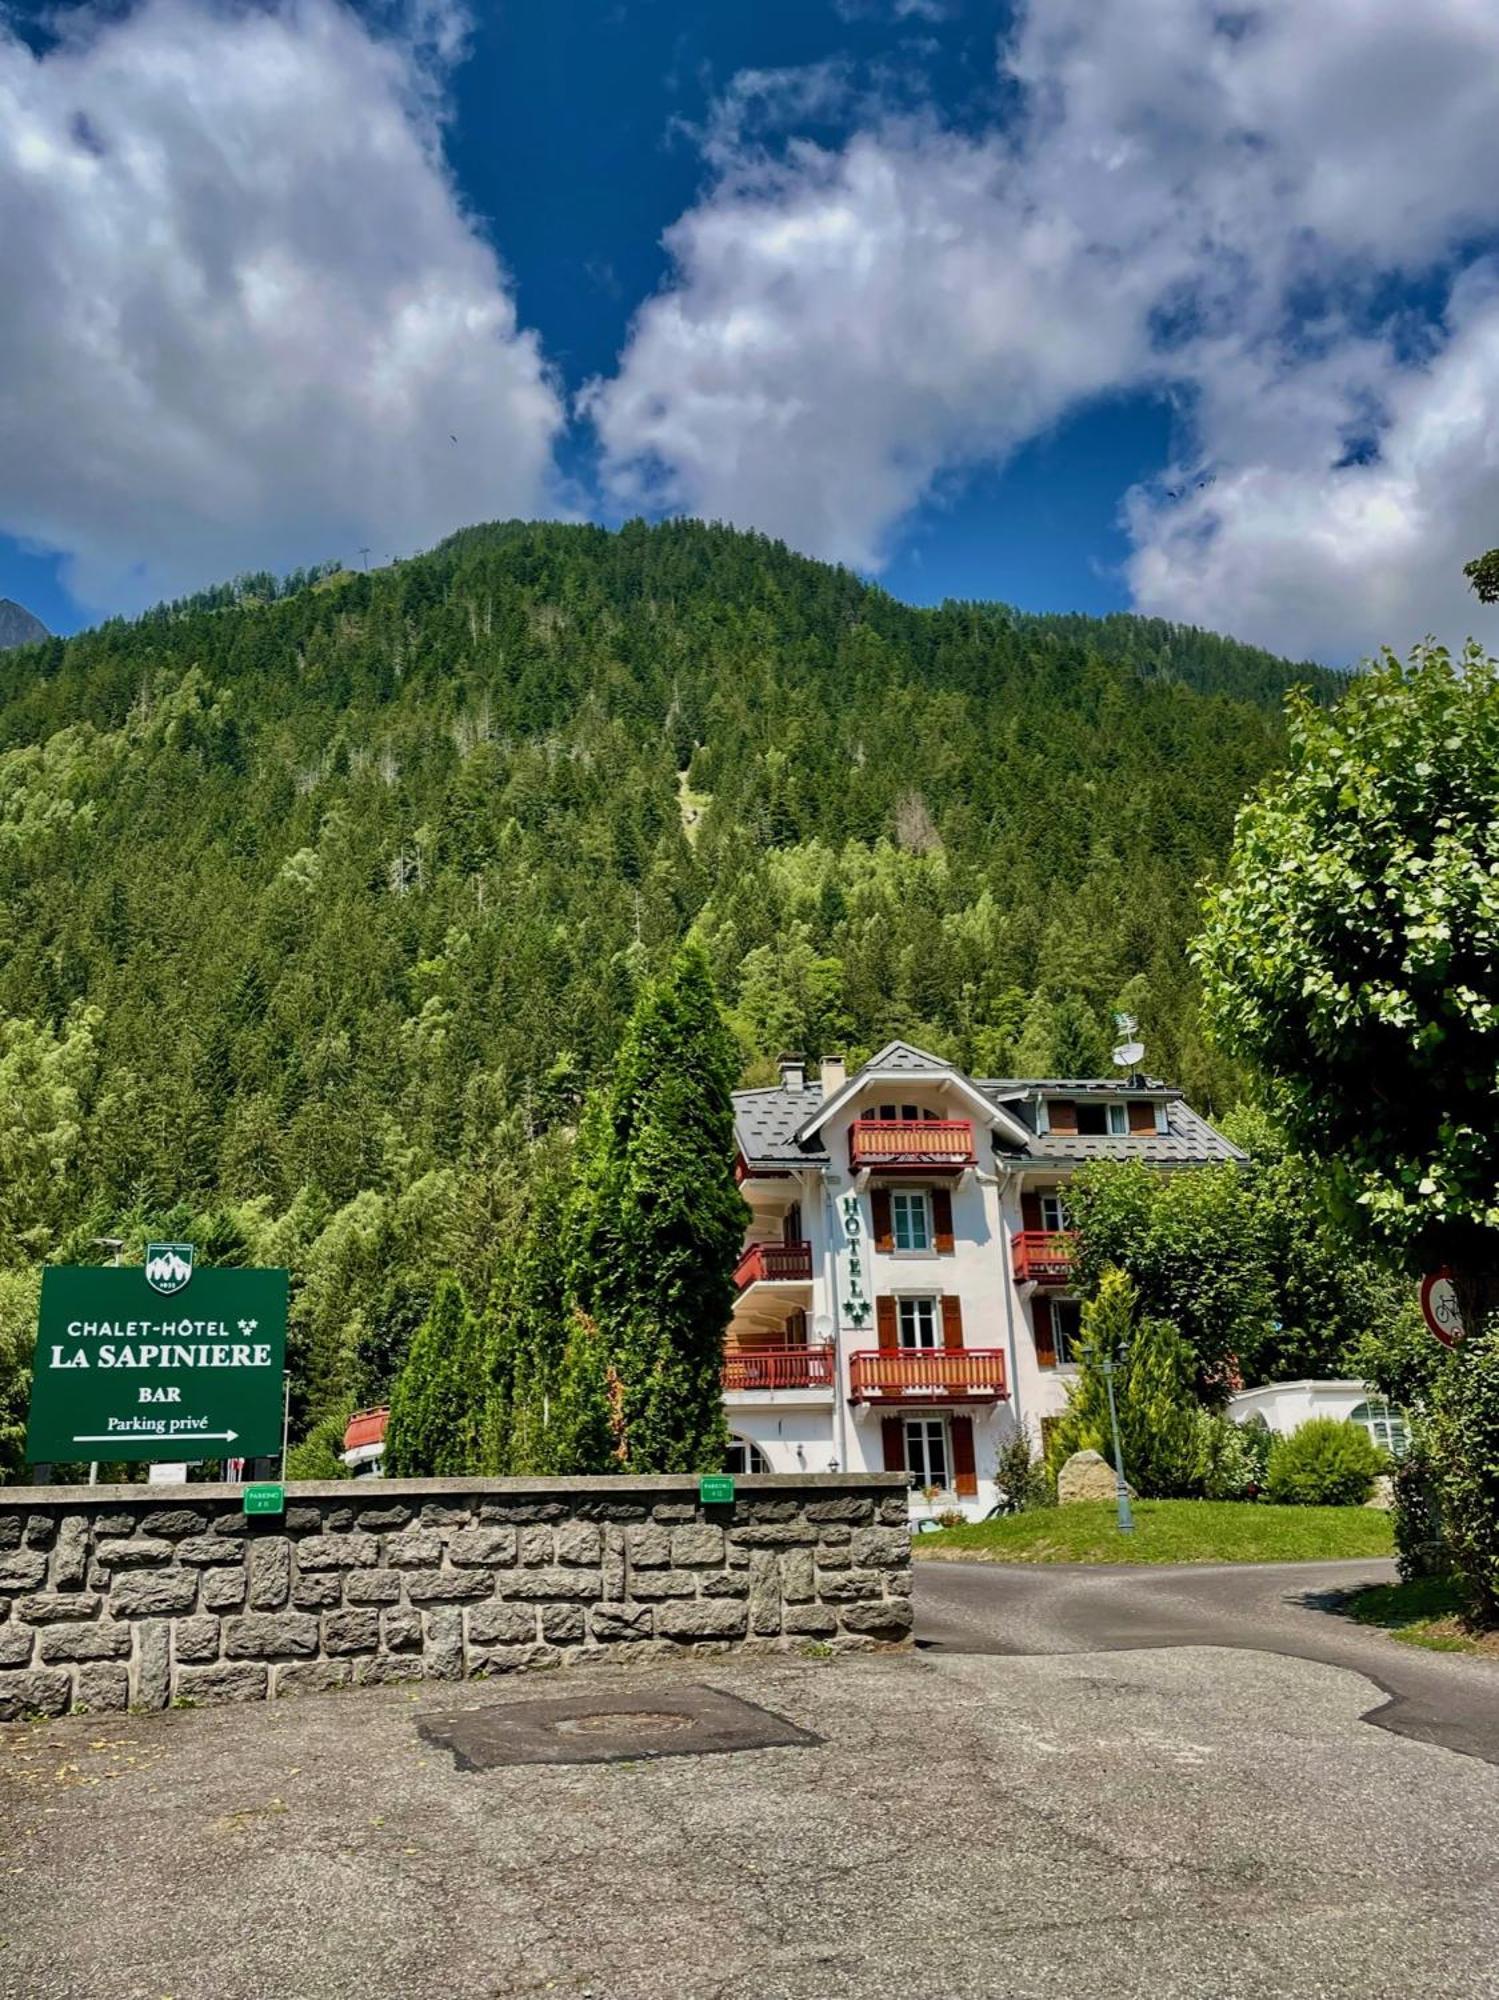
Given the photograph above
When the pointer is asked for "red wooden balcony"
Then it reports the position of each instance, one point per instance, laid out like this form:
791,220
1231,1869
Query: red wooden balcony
918,1374
776,1263
929,1143
1043,1256
778,1368
366,1427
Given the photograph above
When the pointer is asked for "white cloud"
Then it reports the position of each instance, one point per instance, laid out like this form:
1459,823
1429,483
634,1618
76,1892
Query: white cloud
1189,198
244,313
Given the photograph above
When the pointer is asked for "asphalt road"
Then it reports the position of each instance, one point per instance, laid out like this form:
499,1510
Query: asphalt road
1284,1608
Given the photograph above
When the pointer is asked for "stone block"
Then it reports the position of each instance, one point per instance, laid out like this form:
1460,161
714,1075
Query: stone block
380,1669
35,1691
487,1548
579,1584
302,1521
515,1659
536,1546
196,1640
436,1515
835,1536
652,1584
401,1631
351,1631
648,1547
810,1621
15,1645
338,1552
102,1688
270,1573
774,1535
672,1511
70,1553
848,1586
442,1654
25,1569
50,1609
895,1509
755,1510
887,1619
620,1510
727,1583
380,1520
144,1552
448,1586
337,1520
308,1677
11,1526
848,1508
562,1624
95,1641
622,1621
153,1664
416,1548
580,1543
203,1550
613,1567
230,1680
373,1586
320,1591
106,1525
703,1618
154,1593
882,1548
497,1624
765,1593
173,1522
798,1585
41,1530
831,1556
271,1635
899,1583
236,1524
697,1544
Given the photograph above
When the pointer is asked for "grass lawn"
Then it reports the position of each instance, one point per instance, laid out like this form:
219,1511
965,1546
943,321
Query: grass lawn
1427,1613
1167,1531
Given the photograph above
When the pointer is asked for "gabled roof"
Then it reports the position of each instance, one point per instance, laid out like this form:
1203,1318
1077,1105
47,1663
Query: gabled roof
901,1059
766,1122
904,1059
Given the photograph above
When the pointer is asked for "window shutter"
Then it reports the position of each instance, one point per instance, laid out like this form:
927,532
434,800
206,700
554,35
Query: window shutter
893,1435
1030,1211
952,1321
965,1475
1046,1345
1063,1114
791,1227
879,1208
884,1320
942,1219
1141,1115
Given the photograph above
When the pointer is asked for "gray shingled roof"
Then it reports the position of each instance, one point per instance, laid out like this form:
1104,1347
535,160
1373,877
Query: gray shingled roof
765,1122
1189,1140
907,1059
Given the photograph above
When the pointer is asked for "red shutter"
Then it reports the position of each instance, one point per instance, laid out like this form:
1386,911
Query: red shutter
791,1227
884,1320
1030,1211
1046,1346
942,1220
952,1321
893,1435
879,1209
1061,1114
1141,1115
965,1475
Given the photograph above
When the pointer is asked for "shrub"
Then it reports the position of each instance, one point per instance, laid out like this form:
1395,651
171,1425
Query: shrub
320,1454
1021,1478
1326,1463
1463,1439
1419,1547
1231,1458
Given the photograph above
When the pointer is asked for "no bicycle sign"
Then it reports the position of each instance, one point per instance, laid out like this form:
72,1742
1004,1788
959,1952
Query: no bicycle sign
159,1361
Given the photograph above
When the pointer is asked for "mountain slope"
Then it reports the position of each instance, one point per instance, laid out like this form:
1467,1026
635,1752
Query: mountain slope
18,626
331,902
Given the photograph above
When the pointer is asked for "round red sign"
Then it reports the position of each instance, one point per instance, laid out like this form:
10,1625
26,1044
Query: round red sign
1439,1304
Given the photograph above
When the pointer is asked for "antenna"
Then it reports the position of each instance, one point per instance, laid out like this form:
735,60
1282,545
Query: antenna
366,554
1130,1053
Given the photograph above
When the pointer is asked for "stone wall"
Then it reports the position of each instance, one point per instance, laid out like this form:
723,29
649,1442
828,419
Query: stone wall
135,1597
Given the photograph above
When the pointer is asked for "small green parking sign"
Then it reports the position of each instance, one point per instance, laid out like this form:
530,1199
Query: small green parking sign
715,1489
265,1499
160,1361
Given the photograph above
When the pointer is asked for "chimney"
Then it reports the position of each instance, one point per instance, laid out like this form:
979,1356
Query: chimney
793,1072
834,1075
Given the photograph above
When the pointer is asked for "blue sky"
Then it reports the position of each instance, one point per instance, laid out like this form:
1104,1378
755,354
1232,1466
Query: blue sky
1084,304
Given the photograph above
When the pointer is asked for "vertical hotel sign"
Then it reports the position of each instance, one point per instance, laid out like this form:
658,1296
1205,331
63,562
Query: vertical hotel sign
158,1361
856,1305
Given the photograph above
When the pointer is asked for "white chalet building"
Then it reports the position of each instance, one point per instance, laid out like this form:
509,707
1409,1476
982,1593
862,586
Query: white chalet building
903,1297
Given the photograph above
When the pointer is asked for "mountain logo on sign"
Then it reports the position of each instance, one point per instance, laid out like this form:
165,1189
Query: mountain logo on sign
168,1266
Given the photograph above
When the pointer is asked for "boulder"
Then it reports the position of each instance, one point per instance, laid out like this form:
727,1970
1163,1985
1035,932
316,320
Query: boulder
1087,1475
1382,1493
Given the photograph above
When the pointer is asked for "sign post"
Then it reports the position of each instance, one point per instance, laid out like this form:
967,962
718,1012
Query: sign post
1440,1308
158,1362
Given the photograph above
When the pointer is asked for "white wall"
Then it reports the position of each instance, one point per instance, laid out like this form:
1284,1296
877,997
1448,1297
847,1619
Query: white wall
1286,1406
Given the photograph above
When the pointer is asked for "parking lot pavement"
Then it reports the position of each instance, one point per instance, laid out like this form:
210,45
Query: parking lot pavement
1162,1823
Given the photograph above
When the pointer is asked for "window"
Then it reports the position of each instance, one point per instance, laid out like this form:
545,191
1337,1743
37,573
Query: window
1092,1121
745,1457
1384,1425
1118,1120
926,1451
1053,1214
910,1219
916,1322
1066,1326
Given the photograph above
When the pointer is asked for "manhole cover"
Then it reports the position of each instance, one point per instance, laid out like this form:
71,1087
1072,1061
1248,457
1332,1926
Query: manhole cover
579,1729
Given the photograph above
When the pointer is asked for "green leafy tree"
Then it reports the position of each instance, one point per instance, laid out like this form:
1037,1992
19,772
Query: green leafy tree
432,1428
1153,1394
1349,954
658,1222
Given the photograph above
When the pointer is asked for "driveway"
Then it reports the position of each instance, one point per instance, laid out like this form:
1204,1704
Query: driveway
1284,1608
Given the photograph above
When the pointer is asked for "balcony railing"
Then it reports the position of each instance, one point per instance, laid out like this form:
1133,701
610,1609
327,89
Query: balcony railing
1043,1256
781,1263
778,1368
909,1374
911,1142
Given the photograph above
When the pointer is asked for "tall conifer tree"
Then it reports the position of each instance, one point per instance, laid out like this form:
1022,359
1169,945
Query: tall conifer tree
433,1405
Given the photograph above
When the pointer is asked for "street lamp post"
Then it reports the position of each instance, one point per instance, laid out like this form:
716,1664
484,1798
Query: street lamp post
1121,1487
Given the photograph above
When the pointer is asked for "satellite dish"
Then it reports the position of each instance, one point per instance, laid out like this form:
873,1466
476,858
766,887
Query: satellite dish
1128,1054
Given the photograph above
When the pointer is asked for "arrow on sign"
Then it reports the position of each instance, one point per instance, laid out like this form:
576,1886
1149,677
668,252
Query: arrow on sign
129,1437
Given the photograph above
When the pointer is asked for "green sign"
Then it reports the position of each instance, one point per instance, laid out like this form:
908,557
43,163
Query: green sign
716,1489
265,1499
158,1361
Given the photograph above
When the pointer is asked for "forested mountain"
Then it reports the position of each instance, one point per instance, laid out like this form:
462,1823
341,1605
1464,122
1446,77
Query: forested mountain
320,906
18,626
